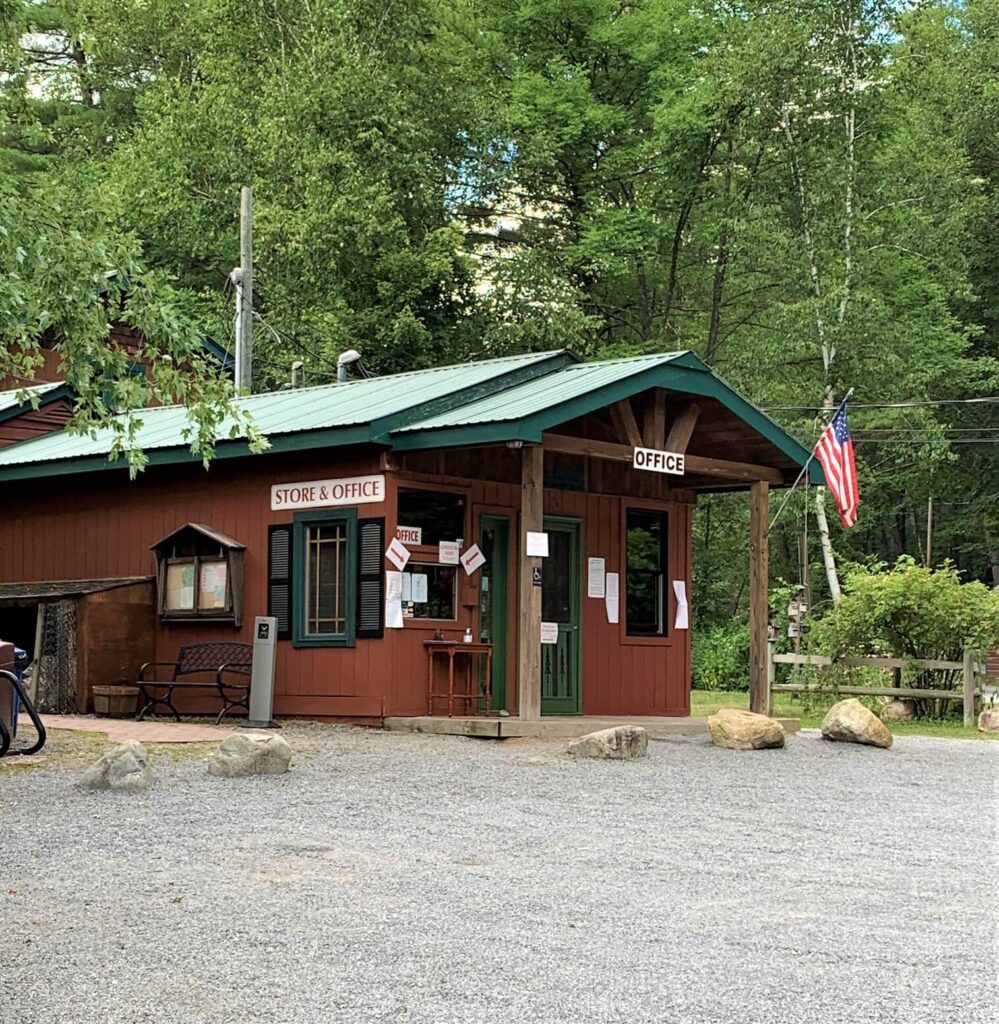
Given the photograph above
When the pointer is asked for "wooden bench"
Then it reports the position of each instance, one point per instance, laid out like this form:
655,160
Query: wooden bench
220,660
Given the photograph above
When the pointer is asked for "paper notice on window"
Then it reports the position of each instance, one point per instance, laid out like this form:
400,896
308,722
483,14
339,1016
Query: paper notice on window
212,586
449,552
595,577
393,600
473,559
397,553
611,600
420,589
682,615
407,587
549,632
537,545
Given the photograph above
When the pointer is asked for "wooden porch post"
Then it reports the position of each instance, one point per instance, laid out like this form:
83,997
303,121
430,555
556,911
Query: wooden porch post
759,581
529,619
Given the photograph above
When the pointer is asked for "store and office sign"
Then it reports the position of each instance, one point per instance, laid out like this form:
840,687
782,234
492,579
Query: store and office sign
656,461
350,490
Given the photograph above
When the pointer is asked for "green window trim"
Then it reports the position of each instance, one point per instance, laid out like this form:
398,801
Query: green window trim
324,517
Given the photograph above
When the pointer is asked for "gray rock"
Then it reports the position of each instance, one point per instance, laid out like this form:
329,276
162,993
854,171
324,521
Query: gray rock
848,721
736,729
125,768
988,720
899,711
620,743
249,754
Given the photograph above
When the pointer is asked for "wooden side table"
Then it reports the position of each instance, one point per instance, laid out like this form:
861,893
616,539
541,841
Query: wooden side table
471,653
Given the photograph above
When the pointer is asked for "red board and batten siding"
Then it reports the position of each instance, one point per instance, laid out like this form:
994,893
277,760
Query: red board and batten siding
101,525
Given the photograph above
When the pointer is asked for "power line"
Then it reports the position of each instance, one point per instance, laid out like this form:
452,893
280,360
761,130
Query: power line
991,399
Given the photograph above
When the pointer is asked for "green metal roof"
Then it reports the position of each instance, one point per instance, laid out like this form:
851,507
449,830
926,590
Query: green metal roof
523,412
359,410
513,398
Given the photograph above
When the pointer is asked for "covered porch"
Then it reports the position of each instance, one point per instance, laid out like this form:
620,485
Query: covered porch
634,439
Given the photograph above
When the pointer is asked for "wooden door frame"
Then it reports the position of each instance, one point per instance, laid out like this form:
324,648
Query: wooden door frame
575,527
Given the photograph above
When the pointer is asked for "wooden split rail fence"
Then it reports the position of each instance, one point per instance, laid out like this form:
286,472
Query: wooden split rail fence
969,669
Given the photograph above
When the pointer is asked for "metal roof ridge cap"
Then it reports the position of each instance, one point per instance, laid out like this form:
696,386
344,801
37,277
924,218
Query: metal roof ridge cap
384,426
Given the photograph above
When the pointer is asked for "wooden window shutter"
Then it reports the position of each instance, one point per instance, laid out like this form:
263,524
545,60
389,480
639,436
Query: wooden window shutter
370,599
279,593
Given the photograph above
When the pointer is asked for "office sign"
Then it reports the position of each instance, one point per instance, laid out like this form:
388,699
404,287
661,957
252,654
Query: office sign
656,461
350,490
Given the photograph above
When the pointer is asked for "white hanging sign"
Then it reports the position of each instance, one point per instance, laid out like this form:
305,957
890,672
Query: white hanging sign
595,577
472,559
393,600
351,490
397,553
537,545
409,534
611,584
682,614
549,632
449,552
658,461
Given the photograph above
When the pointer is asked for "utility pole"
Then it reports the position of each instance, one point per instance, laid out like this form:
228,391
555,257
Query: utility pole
242,277
929,534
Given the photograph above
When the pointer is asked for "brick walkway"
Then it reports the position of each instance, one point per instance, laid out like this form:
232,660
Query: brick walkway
120,729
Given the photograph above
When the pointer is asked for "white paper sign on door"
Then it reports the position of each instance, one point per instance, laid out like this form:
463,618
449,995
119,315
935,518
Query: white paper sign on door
472,559
393,600
397,554
449,552
549,632
537,545
595,577
611,583
682,614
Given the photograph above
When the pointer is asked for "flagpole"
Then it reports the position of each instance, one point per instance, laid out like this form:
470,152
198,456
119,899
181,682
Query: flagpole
804,468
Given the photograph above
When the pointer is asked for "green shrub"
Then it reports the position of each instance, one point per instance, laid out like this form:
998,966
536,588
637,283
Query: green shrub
720,657
910,612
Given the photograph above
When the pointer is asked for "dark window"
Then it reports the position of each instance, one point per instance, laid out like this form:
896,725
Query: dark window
430,591
440,515
645,581
556,591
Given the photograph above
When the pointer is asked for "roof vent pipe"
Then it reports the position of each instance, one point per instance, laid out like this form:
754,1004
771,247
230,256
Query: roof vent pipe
343,361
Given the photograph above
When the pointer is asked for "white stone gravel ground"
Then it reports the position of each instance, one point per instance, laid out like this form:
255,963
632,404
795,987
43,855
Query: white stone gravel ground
413,878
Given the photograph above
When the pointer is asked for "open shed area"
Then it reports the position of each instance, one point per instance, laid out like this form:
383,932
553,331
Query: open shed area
394,877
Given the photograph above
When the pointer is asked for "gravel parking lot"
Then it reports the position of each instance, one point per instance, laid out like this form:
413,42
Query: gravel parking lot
413,878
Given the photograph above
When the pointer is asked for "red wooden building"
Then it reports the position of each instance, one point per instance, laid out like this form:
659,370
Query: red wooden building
600,463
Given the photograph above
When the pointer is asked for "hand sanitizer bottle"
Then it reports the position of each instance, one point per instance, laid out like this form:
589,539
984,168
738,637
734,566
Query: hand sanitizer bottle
468,635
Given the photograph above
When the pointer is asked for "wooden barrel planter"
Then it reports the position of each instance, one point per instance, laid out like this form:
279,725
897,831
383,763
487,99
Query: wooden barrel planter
116,701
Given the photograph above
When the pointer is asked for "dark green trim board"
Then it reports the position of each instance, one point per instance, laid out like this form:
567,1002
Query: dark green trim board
300,600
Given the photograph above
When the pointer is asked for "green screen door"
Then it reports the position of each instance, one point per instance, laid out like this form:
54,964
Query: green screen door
560,662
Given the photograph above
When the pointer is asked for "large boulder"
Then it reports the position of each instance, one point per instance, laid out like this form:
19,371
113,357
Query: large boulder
736,729
248,754
848,721
899,711
988,720
125,767
621,743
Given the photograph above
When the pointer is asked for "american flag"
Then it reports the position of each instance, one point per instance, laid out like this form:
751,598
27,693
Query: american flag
834,450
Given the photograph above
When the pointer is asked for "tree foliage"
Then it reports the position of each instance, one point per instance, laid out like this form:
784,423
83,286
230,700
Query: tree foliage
804,193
